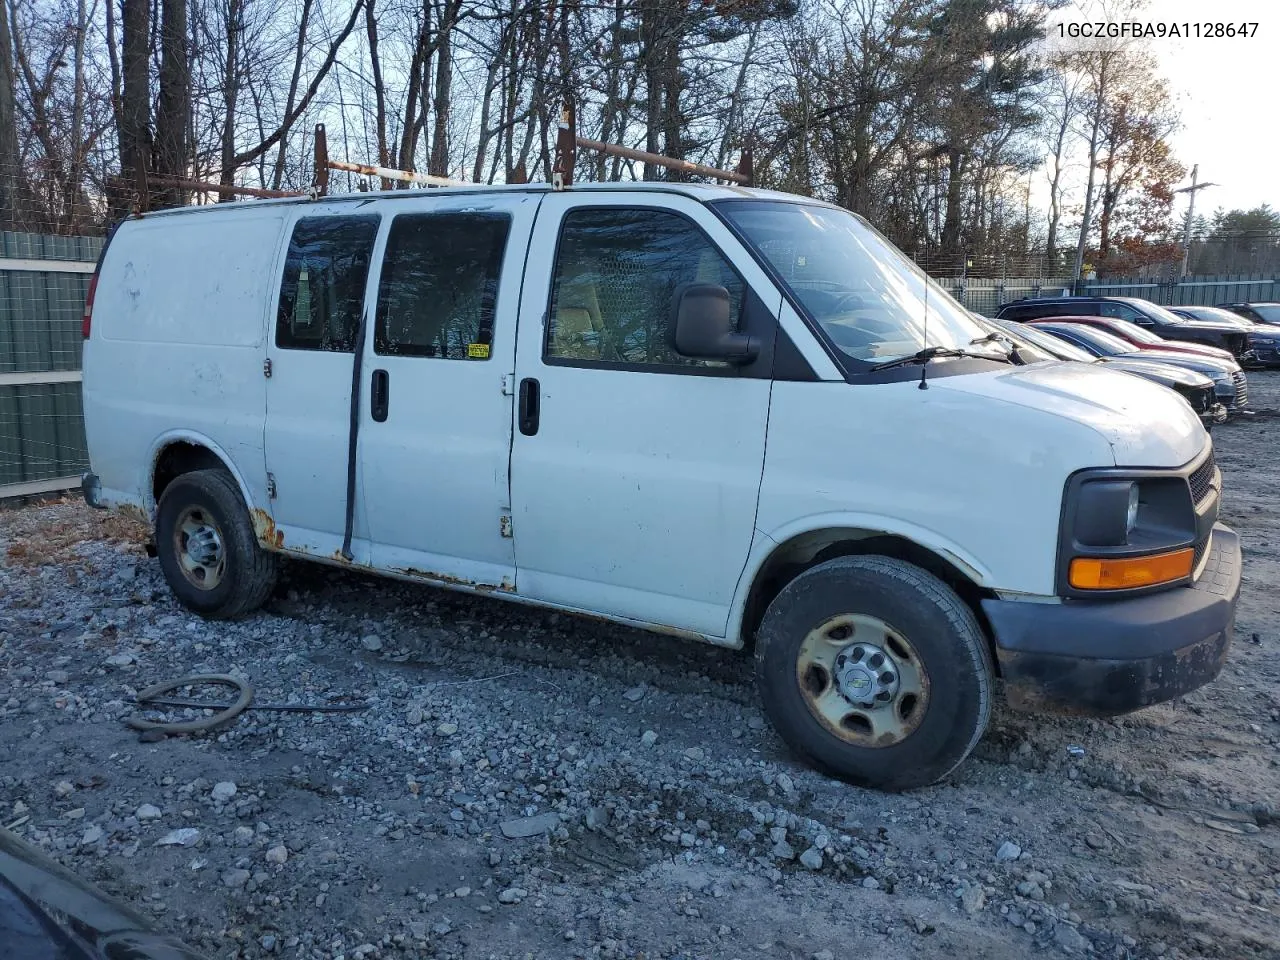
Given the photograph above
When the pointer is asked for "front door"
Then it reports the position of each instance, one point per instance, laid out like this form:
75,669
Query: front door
319,303
635,471
436,407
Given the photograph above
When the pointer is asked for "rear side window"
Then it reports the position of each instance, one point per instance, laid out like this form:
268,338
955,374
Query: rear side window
1039,311
616,271
325,272
439,285
1120,311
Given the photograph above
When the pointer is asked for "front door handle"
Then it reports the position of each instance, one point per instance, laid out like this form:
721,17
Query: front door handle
380,395
529,403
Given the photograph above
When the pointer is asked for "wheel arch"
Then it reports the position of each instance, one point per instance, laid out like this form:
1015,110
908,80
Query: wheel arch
786,557
182,451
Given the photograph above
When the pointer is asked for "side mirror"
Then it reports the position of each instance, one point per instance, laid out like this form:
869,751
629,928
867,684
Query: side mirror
701,326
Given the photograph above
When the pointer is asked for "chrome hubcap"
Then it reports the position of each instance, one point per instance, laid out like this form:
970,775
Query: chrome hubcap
198,546
862,680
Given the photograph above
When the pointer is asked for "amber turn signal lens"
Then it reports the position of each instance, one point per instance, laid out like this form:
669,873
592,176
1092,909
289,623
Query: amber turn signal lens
1091,573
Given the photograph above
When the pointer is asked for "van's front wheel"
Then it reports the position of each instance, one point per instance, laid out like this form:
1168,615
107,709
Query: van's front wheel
875,671
208,551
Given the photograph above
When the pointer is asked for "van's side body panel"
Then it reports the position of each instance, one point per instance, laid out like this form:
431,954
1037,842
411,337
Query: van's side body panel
636,497
177,347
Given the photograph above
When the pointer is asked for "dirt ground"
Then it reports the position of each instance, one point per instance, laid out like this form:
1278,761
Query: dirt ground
665,818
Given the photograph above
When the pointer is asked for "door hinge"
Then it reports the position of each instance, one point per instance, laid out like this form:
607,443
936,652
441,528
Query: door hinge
266,368
504,523
507,380
271,486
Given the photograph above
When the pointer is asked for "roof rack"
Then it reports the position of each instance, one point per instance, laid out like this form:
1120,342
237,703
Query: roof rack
567,144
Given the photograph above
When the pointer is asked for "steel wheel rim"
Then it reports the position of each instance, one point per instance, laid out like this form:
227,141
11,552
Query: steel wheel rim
863,680
198,545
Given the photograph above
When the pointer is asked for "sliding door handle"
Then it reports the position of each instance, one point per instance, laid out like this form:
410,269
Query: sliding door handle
529,403
379,395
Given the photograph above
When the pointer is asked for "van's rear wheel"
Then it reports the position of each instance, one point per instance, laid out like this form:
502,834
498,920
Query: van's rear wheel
875,671
208,551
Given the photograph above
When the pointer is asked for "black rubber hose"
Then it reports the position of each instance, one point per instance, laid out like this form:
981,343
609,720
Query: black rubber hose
193,726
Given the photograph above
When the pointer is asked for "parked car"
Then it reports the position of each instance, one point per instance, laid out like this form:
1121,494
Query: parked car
1195,388
1264,339
1195,311
1259,311
1230,384
49,913
562,398
1143,313
1141,338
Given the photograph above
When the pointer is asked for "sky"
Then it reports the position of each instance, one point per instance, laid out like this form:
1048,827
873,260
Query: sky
1227,91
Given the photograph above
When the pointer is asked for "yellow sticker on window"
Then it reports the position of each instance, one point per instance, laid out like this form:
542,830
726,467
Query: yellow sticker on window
478,350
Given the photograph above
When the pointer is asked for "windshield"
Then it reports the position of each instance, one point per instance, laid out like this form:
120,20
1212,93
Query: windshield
1049,343
869,298
1106,344
1157,311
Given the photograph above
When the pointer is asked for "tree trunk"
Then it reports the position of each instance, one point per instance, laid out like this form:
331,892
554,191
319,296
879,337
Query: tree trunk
174,101
955,194
379,93
10,174
1101,89
277,176
439,165
135,96
418,68
230,96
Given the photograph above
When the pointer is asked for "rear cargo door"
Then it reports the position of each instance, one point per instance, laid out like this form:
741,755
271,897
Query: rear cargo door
319,299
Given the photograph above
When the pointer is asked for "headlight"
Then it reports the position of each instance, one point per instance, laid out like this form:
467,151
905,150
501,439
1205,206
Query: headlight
1124,531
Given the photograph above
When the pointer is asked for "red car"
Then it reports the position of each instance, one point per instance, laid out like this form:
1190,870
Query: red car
1140,338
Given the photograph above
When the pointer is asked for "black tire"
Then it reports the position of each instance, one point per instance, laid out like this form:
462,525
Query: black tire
247,573
944,639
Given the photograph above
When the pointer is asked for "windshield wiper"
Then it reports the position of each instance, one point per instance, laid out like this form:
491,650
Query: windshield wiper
923,357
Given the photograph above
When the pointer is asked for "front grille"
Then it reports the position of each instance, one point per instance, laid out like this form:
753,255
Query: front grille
1201,479
1242,388
1198,554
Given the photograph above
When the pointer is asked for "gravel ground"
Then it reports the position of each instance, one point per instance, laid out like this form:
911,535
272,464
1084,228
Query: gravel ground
534,785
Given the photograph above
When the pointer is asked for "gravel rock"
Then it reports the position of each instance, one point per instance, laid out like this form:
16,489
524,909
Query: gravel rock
1008,851
811,859
871,883
1070,939
182,837
278,854
636,694
147,812
371,642
512,895
973,900
236,878
649,738
223,791
529,826
446,729
120,660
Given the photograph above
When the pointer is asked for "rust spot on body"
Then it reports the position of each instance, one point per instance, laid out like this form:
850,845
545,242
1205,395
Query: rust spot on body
264,527
506,586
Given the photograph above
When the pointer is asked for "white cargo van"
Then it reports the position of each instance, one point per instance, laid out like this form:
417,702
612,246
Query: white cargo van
726,414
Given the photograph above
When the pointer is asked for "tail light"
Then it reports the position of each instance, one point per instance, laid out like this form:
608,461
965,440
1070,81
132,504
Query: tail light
87,321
